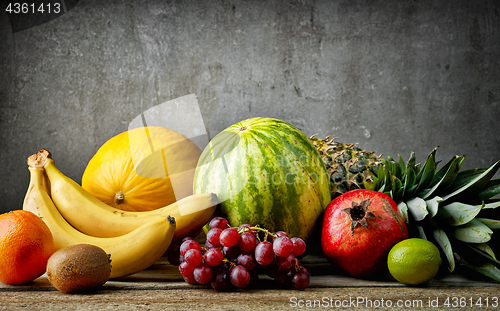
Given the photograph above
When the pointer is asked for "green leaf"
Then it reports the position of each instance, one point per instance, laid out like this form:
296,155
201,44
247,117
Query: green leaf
484,268
411,161
395,169
391,184
473,232
417,208
421,232
389,164
477,182
402,166
494,200
464,177
442,180
379,180
388,179
403,209
456,213
489,203
491,223
445,175
381,189
409,193
484,249
426,175
492,205
409,180
491,189
442,240
418,168
433,205
397,189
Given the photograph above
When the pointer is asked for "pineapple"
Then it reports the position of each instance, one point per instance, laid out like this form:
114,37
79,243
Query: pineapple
348,167
453,208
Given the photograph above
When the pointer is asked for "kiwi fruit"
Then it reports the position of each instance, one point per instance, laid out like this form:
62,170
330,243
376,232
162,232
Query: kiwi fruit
79,268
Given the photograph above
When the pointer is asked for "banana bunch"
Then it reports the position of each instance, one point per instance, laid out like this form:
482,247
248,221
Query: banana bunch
135,240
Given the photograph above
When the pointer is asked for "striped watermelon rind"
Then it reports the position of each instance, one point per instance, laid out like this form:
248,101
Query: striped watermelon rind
265,172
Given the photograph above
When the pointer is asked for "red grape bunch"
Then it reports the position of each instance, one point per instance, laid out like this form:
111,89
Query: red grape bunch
233,257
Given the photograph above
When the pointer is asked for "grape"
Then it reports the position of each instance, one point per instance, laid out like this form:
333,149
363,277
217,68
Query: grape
247,242
264,253
173,255
218,222
246,260
221,281
286,263
283,246
213,257
231,253
208,245
271,269
304,269
281,233
193,257
299,246
185,269
213,237
240,277
203,273
300,280
186,238
187,245
284,276
190,280
233,257
225,265
229,237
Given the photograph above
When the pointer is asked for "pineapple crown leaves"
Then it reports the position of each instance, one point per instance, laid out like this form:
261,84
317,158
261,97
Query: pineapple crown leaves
453,208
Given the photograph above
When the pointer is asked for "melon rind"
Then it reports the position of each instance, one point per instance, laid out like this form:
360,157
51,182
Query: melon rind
265,172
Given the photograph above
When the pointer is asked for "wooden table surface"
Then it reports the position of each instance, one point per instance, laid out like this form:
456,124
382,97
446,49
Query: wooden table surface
161,287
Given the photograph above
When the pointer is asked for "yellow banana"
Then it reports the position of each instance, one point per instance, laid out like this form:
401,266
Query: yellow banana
92,216
130,253
45,183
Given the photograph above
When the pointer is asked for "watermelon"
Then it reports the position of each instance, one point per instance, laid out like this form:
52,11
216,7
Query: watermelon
265,172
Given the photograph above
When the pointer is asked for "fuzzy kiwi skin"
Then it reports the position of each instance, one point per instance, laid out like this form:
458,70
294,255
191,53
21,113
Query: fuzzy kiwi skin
79,268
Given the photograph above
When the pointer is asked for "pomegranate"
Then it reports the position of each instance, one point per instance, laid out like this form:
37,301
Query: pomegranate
359,229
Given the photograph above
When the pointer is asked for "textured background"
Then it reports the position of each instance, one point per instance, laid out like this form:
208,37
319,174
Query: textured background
393,76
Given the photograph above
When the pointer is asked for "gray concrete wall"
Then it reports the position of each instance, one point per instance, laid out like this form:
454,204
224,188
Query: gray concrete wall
394,76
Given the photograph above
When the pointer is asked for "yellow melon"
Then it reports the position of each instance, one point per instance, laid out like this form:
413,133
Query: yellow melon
142,169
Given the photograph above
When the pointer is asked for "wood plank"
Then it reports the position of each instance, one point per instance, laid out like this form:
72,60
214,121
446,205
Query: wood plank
161,288
163,276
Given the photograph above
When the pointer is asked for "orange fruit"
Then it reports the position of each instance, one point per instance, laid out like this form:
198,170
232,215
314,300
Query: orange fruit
26,244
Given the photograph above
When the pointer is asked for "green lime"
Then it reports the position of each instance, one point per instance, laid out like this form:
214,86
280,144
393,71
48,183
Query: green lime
414,261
